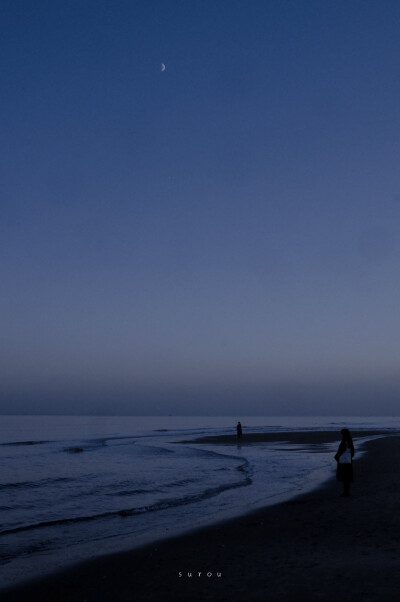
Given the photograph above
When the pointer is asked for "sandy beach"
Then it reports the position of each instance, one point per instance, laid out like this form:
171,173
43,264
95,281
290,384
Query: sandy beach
318,546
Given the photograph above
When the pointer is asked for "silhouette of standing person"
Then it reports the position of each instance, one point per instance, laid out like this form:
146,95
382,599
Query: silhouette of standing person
239,430
344,459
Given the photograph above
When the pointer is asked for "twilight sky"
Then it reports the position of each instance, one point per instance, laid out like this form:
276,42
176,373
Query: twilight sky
222,237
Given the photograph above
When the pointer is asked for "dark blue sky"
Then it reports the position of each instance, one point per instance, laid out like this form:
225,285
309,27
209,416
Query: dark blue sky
220,237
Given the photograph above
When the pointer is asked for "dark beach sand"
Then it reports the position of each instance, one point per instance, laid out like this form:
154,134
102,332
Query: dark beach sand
318,546
305,437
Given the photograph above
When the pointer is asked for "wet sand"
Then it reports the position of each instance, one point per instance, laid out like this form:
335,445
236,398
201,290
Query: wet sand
318,546
304,437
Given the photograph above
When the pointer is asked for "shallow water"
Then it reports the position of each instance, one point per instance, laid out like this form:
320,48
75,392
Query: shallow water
72,487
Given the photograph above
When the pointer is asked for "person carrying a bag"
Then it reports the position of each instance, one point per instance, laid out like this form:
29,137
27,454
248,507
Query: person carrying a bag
344,459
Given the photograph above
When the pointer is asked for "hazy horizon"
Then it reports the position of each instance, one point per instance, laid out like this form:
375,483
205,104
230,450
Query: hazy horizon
200,207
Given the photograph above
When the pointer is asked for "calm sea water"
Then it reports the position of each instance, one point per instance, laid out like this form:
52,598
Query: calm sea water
75,487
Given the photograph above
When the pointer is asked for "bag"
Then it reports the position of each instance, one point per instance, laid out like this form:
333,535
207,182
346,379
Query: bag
345,458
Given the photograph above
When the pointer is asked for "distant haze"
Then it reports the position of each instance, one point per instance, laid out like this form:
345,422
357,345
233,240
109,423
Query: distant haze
222,237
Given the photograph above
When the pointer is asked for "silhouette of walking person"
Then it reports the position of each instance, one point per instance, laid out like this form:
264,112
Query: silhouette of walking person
239,430
344,459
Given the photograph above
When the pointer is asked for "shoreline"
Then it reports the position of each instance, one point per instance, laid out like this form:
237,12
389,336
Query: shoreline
299,437
288,551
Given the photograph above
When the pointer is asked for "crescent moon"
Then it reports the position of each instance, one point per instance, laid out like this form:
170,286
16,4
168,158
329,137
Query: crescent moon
162,67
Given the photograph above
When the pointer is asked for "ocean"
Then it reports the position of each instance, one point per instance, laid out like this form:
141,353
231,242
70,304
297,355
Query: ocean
72,487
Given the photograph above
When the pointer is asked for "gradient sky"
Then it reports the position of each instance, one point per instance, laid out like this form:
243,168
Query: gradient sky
222,237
